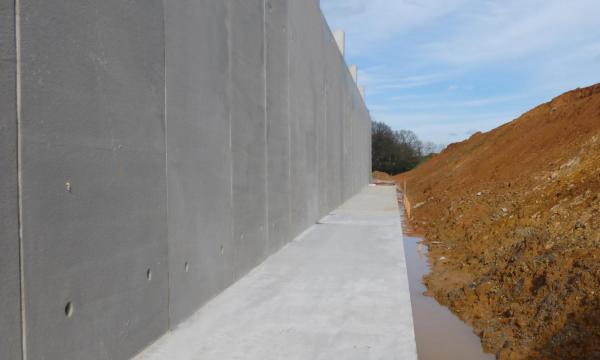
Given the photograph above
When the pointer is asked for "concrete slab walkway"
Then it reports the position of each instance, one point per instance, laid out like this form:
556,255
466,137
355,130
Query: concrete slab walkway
339,291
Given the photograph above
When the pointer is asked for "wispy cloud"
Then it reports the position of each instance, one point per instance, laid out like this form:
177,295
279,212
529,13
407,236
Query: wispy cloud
514,29
372,23
444,128
447,67
425,103
346,8
379,80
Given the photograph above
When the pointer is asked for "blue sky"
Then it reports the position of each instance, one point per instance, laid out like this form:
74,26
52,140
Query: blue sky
448,68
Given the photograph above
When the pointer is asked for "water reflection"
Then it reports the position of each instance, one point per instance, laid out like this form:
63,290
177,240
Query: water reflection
440,334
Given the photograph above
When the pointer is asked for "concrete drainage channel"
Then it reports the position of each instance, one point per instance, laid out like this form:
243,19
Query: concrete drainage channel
439,333
153,153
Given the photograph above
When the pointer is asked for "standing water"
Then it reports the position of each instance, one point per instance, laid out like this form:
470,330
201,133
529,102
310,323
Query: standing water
440,334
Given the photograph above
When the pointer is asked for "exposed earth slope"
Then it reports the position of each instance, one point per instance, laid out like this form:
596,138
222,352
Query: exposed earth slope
512,219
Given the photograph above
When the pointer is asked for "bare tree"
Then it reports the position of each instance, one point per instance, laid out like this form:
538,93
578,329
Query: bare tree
395,151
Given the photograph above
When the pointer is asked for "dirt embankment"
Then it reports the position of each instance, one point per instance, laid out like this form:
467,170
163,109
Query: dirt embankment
512,219
382,178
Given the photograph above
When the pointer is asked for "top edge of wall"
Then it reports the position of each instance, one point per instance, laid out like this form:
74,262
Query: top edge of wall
331,36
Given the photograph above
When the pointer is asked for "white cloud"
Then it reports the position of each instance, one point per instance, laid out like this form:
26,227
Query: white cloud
444,128
513,29
446,67
380,79
565,71
428,104
370,22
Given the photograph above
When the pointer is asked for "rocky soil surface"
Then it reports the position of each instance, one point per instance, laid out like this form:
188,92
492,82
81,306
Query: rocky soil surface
512,220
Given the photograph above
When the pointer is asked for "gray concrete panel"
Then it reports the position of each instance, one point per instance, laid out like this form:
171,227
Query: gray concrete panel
303,110
278,123
198,153
358,141
93,170
361,158
10,308
322,41
347,131
366,150
334,72
363,133
246,34
355,145
314,61
367,146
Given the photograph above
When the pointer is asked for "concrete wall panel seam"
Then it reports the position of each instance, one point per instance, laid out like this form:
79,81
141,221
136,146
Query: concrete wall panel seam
166,127
266,122
23,301
20,181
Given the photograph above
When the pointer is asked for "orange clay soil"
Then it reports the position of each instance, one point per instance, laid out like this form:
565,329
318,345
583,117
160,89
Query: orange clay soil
512,220
381,178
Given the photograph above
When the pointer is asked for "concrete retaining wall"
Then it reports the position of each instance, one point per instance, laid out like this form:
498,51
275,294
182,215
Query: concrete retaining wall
152,153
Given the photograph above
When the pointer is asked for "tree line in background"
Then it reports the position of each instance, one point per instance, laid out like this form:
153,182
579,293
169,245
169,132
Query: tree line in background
395,152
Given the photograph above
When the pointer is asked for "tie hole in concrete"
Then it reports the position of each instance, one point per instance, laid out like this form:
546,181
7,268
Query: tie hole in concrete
69,309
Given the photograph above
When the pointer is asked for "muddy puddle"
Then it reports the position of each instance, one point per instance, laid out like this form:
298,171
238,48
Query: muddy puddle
440,334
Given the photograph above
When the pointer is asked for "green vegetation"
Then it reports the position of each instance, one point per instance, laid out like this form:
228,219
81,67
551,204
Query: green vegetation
395,152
